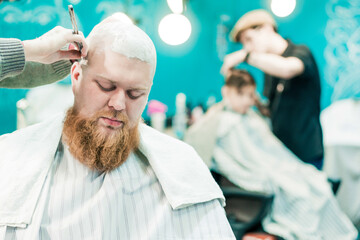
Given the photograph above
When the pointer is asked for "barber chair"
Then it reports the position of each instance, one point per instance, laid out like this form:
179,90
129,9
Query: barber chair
245,210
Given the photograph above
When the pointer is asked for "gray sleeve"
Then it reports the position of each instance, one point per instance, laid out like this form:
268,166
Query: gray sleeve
12,57
37,74
16,73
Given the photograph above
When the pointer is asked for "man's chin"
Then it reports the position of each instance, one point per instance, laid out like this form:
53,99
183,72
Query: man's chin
107,131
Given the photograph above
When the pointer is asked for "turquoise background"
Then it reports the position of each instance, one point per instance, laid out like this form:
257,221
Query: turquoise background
193,67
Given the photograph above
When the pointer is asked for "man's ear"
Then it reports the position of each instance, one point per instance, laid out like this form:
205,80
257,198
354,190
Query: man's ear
76,74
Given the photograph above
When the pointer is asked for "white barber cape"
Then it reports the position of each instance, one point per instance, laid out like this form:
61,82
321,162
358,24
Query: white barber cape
27,158
249,155
341,128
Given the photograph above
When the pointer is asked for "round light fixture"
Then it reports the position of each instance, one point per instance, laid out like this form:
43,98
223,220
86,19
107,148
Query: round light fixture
283,8
174,29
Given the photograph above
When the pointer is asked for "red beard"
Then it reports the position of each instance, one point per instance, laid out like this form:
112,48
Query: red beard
94,148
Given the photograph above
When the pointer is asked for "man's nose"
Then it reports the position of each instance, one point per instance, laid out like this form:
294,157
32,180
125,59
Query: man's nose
117,100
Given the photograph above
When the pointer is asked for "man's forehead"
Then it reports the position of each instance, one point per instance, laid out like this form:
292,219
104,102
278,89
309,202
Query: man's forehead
104,55
141,84
108,57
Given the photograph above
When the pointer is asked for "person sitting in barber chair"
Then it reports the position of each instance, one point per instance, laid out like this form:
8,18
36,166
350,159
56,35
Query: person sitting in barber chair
235,141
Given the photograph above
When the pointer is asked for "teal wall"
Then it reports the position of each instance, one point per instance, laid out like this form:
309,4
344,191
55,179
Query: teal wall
192,68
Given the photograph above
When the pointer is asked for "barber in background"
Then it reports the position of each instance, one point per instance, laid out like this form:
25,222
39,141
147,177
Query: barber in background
292,82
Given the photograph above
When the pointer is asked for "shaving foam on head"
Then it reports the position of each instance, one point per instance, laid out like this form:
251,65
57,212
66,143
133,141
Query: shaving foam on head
124,38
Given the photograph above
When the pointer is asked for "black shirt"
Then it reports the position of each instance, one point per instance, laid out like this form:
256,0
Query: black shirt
295,106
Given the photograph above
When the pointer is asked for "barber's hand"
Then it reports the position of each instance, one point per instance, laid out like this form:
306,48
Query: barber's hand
231,60
47,48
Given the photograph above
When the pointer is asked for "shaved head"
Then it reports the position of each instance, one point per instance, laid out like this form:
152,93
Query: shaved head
118,34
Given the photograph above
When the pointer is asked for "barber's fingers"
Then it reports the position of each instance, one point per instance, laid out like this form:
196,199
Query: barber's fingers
224,69
59,36
70,54
79,38
227,65
231,60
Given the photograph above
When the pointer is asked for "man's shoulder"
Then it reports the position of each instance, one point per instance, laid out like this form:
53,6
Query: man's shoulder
19,136
183,175
301,47
155,135
36,132
299,50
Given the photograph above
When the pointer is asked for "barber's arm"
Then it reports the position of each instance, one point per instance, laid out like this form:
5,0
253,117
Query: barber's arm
45,61
12,57
275,65
37,74
272,64
232,60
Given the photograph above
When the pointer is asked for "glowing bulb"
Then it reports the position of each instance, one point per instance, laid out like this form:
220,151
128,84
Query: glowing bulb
283,8
174,29
176,6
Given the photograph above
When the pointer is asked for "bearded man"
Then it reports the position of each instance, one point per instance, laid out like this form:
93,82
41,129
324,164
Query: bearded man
98,172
